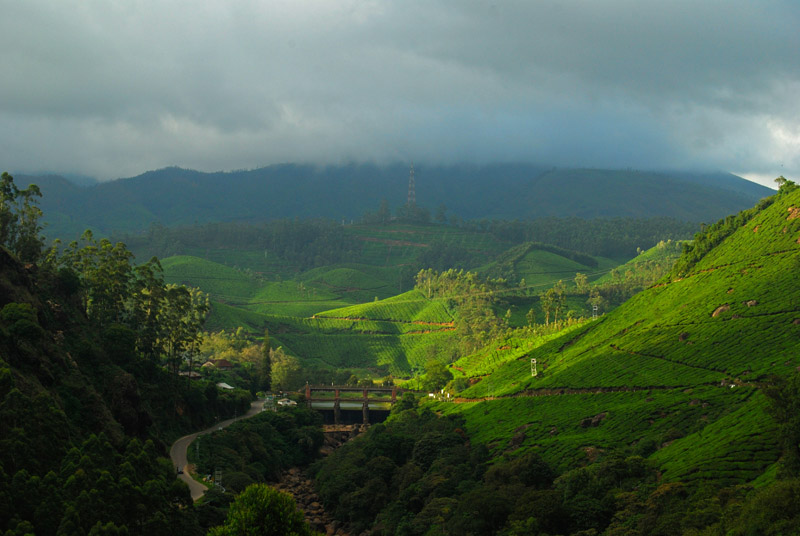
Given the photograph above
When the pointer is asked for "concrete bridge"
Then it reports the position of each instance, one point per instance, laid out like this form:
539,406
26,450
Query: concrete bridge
329,398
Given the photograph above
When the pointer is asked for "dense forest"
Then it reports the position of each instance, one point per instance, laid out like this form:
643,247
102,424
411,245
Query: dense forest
89,390
306,244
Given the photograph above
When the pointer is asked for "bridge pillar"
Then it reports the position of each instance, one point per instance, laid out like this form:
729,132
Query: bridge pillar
394,394
308,395
337,413
365,411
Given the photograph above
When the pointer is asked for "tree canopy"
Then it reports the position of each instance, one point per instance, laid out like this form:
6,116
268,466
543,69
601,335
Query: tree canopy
261,510
20,230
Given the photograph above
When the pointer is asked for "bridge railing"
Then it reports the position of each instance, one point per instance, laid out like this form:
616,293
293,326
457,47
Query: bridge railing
365,399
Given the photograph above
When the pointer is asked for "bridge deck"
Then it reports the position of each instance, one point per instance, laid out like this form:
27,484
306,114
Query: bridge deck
352,400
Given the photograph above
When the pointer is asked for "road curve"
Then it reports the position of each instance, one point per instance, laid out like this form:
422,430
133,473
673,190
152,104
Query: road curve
178,450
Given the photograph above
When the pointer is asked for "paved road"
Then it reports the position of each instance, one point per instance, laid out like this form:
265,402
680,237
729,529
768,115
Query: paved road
178,450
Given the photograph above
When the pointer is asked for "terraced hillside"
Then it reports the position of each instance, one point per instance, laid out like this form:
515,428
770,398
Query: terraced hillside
351,315
540,264
394,336
675,372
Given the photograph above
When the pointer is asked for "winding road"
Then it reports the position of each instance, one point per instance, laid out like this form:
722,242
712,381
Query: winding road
178,450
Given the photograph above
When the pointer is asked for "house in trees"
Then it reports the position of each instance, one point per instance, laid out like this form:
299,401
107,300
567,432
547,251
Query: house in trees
220,364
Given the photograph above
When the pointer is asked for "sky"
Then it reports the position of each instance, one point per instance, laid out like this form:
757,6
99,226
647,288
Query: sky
111,89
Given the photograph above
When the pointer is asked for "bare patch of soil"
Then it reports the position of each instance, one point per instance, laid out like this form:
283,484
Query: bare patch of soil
721,309
592,453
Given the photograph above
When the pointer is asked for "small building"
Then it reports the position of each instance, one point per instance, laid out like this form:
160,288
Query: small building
223,385
193,375
222,364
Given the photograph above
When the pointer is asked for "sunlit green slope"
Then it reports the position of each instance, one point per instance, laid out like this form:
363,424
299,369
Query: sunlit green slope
540,265
675,370
410,306
733,315
394,336
234,288
213,278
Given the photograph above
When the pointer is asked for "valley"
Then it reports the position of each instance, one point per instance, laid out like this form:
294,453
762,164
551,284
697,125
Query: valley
385,268
595,383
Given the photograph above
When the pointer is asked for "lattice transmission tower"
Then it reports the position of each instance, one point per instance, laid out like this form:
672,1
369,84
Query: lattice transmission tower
412,194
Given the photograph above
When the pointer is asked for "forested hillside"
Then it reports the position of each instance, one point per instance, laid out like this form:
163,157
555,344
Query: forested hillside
89,385
174,196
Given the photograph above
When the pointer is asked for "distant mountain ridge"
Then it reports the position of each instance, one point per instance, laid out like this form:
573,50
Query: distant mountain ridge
176,196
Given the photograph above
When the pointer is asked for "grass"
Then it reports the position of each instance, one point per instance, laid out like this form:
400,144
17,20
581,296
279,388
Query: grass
659,367
559,427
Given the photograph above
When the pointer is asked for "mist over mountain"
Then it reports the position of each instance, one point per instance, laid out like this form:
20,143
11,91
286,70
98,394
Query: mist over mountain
176,196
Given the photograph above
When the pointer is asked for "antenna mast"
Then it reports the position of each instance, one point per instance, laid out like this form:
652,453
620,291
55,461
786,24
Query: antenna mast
412,195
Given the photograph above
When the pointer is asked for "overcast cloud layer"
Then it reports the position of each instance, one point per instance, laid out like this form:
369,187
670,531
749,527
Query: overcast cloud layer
112,89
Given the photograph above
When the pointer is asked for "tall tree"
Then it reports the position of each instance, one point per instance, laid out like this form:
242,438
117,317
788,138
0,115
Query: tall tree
441,214
19,219
384,215
147,299
286,371
531,317
547,301
265,371
559,299
182,317
581,283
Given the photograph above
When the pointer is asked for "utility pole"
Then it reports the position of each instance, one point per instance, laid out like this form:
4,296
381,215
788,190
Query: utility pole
594,312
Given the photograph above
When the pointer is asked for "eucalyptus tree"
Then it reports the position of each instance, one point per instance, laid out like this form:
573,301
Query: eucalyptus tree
167,319
19,219
147,299
182,317
106,273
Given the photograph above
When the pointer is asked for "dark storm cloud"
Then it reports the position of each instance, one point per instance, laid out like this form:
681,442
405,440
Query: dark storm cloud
112,89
